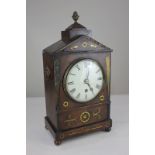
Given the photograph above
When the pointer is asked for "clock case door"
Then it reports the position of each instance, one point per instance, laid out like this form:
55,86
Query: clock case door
60,108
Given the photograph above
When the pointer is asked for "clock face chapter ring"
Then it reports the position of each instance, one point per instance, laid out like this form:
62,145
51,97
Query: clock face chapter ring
83,80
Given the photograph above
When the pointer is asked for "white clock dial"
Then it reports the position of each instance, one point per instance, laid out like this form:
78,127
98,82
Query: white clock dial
84,80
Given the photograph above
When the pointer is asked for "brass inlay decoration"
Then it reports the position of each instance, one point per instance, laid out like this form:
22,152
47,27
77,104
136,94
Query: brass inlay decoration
97,114
84,44
84,117
65,104
74,47
98,127
70,120
108,72
93,45
101,98
85,130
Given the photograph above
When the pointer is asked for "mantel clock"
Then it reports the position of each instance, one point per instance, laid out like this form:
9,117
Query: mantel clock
77,84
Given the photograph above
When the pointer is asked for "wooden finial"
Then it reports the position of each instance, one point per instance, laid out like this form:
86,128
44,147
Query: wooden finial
75,16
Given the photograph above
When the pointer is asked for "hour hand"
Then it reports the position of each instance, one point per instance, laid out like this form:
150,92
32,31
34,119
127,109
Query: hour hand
91,89
87,82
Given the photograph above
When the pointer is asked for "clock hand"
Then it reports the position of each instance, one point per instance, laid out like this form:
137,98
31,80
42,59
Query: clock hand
91,89
87,82
87,75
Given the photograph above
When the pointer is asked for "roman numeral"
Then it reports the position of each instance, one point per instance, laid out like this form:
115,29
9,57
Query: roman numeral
73,90
78,95
98,86
70,83
77,67
100,78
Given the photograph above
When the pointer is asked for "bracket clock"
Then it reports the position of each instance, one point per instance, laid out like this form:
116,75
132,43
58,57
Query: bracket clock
77,84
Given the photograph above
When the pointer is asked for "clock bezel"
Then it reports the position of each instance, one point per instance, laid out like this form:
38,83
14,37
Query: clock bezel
66,74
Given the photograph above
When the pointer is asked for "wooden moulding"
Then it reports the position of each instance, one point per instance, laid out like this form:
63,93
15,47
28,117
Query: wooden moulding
61,135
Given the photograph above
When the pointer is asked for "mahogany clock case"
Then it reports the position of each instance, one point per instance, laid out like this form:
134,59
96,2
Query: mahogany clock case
64,116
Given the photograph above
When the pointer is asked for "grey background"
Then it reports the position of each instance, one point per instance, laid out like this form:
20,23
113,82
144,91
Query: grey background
108,19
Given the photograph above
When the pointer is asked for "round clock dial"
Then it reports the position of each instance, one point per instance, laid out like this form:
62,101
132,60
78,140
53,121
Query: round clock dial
84,80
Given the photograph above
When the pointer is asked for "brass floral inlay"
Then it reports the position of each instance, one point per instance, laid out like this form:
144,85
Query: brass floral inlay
101,98
65,104
84,44
84,117
97,114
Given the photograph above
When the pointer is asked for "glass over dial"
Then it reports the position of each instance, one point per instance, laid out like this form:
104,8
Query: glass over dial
84,80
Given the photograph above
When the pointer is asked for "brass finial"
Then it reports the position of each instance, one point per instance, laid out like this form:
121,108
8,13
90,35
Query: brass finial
75,16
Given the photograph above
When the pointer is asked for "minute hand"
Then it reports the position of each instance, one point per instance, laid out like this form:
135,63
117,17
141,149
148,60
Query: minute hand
87,75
